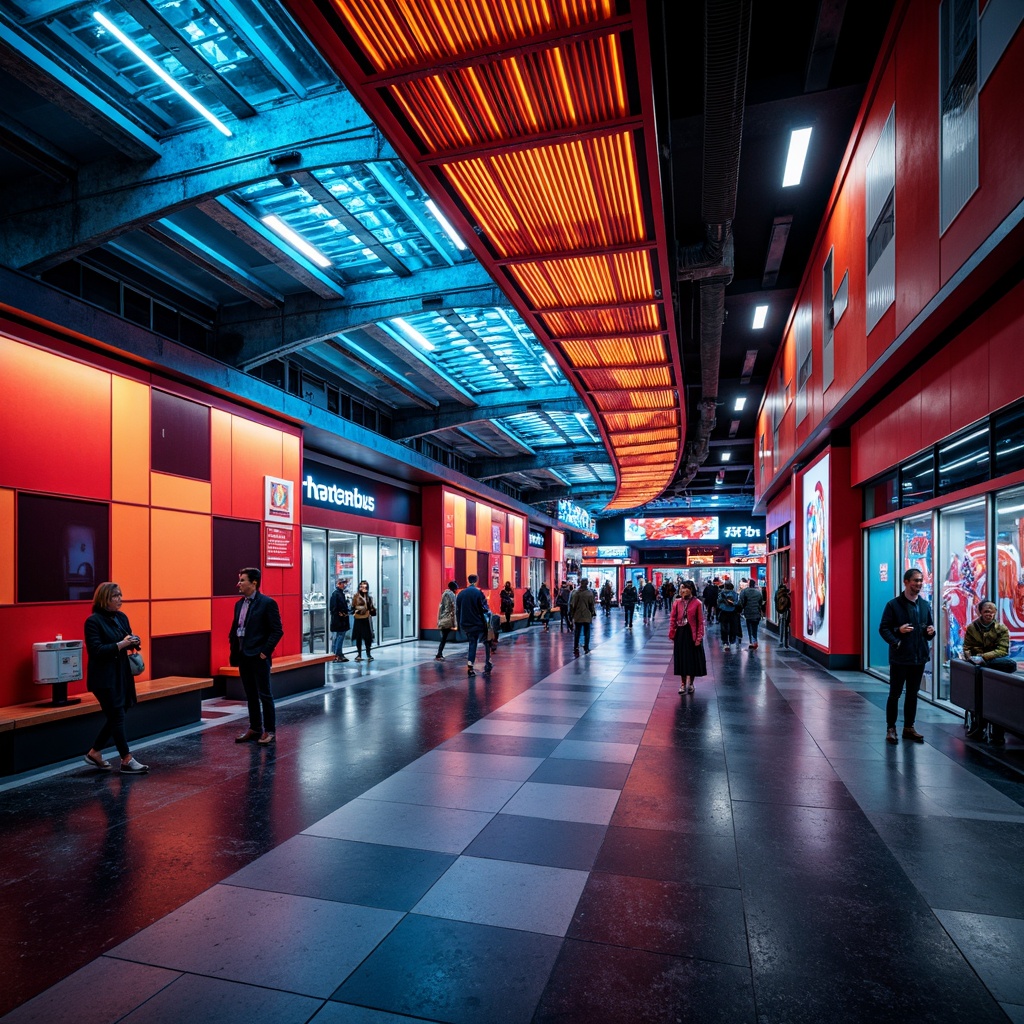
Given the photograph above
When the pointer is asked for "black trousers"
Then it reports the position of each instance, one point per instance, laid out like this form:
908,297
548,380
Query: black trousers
113,727
899,676
255,675
445,633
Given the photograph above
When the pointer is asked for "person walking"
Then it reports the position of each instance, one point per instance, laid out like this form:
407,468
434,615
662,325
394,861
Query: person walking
544,603
750,606
507,601
649,596
363,611
108,641
686,631
728,599
340,622
473,617
446,617
582,611
606,598
529,604
987,642
907,628
562,602
255,631
710,598
629,600
783,603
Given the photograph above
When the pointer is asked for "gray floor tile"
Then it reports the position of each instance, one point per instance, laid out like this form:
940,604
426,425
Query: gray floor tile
994,947
506,894
461,791
104,990
596,750
564,803
443,829
542,730
481,766
293,943
528,840
346,1013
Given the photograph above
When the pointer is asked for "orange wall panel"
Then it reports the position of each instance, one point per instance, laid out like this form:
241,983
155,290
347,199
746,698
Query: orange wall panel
220,462
129,550
182,551
255,453
180,492
129,441
7,546
51,447
171,617
291,461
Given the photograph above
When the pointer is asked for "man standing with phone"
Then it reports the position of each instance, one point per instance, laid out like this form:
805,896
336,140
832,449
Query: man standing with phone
255,631
908,629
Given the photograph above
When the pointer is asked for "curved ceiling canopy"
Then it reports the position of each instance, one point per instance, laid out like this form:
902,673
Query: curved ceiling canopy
532,124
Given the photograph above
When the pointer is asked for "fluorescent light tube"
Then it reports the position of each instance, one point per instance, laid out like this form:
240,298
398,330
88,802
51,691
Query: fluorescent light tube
161,74
279,227
798,143
412,334
760,316
443,221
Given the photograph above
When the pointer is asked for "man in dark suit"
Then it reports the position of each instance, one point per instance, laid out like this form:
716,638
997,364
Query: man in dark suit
255,630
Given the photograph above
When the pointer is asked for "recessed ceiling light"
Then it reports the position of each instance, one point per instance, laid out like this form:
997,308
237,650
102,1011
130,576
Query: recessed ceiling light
798,143
740,403
726,456
760,315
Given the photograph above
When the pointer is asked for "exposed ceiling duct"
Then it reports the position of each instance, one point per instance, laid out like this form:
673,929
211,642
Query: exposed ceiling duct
710,261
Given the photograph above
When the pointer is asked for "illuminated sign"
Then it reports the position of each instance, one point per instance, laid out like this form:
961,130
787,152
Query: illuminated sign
576,517
336,490
749,552
741,533
351,499
613,551
536,539
672,528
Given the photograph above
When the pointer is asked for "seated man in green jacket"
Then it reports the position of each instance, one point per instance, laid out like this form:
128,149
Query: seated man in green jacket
987,643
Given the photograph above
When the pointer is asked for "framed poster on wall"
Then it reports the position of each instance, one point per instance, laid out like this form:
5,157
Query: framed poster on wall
815,511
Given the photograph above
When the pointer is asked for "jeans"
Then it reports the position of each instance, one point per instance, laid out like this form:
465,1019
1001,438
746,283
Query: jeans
911,676
730,627
113,727
752,625
254,672
339,641
584,628
474,637
648,610
630,608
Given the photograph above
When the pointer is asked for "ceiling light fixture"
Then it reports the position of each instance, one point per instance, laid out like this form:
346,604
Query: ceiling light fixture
443,221
412,334
161,74
281,229
760,316
726,456
798,144
740,403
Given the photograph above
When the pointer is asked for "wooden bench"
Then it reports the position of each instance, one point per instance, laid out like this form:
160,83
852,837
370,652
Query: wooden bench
33,735
291,673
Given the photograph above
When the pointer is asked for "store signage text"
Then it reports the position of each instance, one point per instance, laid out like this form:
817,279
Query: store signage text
348,498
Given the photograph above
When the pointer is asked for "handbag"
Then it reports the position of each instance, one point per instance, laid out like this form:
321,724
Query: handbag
136,663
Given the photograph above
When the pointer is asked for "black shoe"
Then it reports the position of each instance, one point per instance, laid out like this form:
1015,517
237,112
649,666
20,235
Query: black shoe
369,657
576,651
438,657
488,666
470,671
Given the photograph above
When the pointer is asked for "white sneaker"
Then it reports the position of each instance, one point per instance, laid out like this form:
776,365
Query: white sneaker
725,647
133,767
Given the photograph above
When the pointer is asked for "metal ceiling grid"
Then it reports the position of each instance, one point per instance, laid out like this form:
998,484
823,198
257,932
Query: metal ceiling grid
528,124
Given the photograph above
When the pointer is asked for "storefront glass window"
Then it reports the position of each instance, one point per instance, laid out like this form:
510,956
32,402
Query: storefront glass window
390,602
315,584
408,590
1010,574
962,548
964,460
918,552
917,480
368,571
882,574
1008,431
880,497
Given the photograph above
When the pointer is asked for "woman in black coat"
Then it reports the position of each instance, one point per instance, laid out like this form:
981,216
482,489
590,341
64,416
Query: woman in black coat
108,639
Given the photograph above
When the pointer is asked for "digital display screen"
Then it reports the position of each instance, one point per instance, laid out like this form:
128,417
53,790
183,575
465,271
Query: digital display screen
672,528
749,552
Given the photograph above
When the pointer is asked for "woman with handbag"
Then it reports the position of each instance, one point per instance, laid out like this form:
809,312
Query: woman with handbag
446,617
363,610
686,631
110,643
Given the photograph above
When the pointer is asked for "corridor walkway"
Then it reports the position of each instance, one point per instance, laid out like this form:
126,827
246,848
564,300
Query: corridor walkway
559,840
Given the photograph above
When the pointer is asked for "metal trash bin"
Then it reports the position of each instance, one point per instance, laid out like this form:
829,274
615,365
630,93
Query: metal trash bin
57,663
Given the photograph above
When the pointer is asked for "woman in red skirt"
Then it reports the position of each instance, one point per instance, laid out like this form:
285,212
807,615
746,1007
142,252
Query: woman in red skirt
686,631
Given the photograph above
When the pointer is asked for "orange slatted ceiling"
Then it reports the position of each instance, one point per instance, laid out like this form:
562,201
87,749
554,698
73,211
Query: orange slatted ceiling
522,110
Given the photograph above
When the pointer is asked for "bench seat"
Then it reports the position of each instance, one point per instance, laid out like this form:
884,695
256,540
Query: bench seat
34,734
291,674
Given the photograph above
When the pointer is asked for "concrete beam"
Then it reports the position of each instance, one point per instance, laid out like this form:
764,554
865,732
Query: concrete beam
304,320
41,227
487,469
490,406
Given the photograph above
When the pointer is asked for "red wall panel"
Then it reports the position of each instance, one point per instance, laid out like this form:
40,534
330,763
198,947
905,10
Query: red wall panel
28,624
1004,325
932,381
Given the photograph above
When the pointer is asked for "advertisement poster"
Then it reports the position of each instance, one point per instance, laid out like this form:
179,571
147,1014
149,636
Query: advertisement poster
279,506
671,528
279,548
816,518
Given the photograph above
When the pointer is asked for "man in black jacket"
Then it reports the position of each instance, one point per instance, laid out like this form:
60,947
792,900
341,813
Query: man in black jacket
255,631
907,628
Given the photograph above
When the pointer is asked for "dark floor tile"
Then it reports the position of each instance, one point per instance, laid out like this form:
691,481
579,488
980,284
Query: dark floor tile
564,771
390,877
675,918
527,840
802,792
490,743
676,807
454,972
670,856
611,732
597,984
994,947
